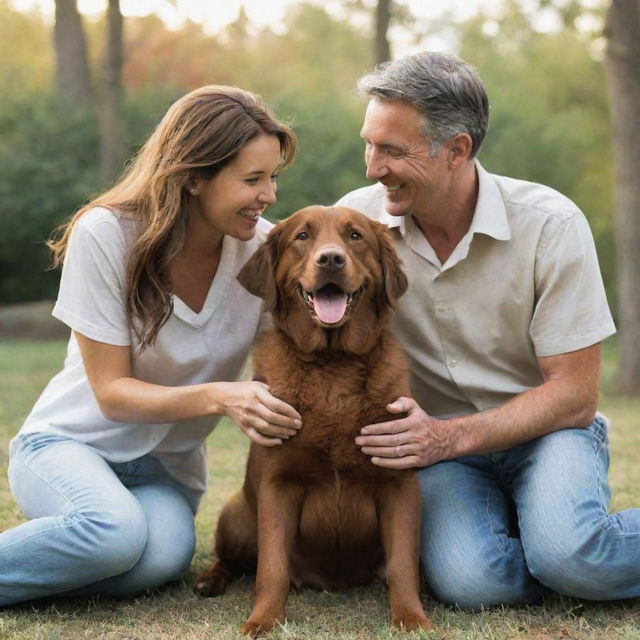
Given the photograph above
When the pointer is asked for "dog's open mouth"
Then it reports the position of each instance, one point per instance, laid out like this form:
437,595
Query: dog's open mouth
329,304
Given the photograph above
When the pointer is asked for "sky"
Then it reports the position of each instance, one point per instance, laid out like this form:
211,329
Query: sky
214,15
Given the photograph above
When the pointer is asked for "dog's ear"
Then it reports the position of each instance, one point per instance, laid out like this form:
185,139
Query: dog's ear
395,281
257,275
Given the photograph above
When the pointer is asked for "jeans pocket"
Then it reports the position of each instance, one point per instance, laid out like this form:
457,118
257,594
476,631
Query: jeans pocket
25,443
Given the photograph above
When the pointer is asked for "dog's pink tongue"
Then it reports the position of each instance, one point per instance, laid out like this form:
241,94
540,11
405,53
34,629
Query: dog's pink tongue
330,307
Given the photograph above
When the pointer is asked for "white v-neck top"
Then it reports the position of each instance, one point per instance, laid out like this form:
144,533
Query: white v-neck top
191,348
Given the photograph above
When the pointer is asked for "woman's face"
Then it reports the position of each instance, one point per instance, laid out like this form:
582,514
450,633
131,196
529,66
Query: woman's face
233,200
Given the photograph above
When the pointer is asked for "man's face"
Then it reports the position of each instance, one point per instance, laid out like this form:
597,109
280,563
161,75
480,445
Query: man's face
398,155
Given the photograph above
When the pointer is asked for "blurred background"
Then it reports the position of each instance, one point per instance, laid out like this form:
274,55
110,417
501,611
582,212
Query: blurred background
83,83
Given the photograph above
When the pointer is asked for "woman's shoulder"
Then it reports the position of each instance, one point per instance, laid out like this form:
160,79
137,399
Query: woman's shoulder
108,227
97,217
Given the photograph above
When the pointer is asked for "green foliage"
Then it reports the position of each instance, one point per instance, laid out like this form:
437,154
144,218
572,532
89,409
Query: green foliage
27,39
549,116
47,169
549,119
48,150
330,161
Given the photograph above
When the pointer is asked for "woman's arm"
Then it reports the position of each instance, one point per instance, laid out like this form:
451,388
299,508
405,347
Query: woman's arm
122,398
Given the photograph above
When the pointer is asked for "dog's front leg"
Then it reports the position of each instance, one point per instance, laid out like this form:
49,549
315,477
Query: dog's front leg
399,513
279,507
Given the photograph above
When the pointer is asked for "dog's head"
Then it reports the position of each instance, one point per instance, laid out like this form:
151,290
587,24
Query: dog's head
330,276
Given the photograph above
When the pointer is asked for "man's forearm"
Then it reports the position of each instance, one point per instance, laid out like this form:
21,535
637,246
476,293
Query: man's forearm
567,398
550,407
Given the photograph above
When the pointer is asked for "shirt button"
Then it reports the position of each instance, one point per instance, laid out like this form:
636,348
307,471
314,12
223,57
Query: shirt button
443,308
453,363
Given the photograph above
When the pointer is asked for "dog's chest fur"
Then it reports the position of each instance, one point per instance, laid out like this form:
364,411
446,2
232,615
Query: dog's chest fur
336,394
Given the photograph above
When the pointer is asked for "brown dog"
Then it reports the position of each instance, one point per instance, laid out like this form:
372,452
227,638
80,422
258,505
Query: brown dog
319,512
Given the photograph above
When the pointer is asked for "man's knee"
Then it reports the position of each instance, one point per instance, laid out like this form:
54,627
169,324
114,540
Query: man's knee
475,583
576,569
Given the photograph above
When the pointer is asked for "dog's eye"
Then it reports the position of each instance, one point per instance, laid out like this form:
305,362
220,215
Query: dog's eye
355,235
303,235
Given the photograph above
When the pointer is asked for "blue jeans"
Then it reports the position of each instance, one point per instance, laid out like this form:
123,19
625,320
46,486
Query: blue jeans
95,527
507,527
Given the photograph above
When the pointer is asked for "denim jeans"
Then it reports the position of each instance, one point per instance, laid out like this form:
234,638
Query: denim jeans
95,527
507,527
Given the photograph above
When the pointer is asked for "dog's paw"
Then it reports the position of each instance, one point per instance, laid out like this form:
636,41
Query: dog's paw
413,623
256,628
213,581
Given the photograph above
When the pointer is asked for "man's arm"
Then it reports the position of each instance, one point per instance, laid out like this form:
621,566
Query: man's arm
567,398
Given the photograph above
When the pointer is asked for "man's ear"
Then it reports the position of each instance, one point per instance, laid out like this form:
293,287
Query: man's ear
459,150
257,276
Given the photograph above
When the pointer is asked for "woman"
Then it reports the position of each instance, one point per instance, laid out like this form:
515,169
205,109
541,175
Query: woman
110,464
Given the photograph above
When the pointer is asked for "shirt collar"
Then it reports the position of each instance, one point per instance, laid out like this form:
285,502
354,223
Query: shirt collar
490,216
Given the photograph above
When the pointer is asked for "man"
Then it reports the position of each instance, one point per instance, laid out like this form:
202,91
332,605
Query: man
502,323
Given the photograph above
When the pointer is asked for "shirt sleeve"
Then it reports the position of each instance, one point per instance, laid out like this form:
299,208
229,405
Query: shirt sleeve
571,310
91,299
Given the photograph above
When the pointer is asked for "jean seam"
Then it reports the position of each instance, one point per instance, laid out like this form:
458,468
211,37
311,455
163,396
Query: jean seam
494,533
599,447
74,518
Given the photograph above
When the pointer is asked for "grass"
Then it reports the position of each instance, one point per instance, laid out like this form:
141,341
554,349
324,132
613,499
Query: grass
359,614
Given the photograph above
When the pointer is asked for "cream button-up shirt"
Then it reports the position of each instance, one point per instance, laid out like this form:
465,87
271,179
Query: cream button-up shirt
523,283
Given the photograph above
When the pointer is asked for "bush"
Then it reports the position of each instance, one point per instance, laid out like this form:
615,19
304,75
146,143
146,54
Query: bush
47,168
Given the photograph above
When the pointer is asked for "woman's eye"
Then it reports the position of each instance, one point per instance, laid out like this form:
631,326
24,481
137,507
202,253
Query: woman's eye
355,235
251,181
303,235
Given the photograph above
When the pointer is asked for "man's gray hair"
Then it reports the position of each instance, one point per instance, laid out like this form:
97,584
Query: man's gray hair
447,91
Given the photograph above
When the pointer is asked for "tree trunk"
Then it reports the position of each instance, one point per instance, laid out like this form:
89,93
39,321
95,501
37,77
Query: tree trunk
73,77
110,106
623,65
383,17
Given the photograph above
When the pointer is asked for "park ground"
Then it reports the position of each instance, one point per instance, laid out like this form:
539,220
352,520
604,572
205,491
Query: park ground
359,614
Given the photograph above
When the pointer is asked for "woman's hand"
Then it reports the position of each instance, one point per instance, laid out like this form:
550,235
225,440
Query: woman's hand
263,418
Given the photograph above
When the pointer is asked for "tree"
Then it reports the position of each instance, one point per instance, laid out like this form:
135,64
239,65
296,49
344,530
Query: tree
74,81
73,77
381,42
622,31
110,105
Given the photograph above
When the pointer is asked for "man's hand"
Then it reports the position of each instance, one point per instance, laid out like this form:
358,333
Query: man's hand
417,440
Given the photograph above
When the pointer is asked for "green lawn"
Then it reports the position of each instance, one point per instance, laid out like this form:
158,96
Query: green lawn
360,614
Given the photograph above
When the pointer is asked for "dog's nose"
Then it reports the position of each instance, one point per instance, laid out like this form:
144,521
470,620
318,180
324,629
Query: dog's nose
332,259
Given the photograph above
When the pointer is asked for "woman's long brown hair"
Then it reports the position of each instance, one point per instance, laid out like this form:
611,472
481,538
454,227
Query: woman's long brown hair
199,135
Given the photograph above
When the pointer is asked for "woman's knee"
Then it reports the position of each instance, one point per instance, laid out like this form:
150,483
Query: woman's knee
168,565
113,537
171,538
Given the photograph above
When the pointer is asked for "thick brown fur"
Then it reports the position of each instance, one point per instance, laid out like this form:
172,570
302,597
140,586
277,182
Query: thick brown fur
316,507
